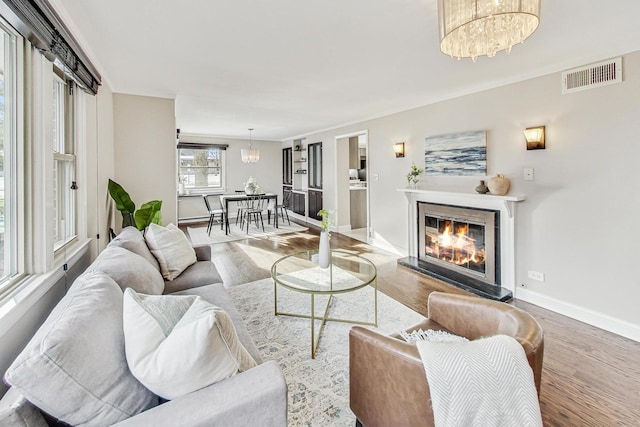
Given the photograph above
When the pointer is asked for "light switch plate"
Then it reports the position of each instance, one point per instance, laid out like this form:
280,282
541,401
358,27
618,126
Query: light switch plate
528,174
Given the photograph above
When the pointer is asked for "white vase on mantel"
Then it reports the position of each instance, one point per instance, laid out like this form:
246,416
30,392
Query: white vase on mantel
324,250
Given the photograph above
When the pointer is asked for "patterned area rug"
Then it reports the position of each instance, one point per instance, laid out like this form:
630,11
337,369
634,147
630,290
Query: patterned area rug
198,235
318,388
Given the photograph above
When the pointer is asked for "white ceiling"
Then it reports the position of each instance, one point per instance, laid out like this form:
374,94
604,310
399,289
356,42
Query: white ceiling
291,67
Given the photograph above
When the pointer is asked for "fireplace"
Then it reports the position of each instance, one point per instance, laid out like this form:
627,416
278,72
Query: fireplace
461,240
442,224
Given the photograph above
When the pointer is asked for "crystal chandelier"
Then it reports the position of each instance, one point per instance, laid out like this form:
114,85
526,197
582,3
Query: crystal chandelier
250,155
471,28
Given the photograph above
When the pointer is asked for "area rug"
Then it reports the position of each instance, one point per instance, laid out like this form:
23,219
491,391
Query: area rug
199,236
318,388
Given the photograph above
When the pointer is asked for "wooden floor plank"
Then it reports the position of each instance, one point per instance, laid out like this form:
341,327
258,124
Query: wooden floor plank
590,377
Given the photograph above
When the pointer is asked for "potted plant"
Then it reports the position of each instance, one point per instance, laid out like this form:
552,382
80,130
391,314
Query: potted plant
148,213
413,177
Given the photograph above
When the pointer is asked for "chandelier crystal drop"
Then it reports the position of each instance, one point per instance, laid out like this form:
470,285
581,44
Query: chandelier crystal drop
250,155
472,28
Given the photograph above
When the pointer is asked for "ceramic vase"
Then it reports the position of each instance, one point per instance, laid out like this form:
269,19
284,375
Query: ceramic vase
324,250
499,185
482,188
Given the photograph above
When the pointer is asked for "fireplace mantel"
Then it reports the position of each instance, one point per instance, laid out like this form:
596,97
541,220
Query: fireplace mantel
504,204
459,198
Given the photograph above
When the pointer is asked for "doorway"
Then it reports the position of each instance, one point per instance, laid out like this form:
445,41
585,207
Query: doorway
352,185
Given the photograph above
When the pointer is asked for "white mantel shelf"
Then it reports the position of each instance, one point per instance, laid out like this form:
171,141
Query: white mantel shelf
464,198
504,204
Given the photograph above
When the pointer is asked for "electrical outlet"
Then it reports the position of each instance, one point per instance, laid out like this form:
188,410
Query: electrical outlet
374,176
528,174
535,275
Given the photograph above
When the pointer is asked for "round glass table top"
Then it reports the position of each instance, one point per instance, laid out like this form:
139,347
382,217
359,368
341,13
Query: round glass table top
301,272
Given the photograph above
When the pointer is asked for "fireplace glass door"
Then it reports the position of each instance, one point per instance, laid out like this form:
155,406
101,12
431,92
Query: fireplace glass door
460,239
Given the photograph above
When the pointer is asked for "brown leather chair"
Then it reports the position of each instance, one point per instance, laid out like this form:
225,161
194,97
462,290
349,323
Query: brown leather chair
388,385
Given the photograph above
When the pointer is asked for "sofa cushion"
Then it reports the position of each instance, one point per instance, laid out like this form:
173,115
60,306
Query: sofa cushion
201,273
179,344
129,270
171,248
74,367
218,296
16,411
132,239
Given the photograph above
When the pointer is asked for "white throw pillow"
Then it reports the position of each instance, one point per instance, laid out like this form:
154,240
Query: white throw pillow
171,248
177,344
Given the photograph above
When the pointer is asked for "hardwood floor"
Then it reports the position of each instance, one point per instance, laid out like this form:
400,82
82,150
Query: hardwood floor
590,377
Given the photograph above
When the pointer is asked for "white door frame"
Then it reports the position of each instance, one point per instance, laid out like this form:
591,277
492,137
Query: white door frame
364,132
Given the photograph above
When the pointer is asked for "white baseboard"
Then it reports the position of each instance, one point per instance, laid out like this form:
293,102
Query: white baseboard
591,317
343,228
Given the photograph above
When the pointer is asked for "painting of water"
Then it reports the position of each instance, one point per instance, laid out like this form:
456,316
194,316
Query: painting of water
456,154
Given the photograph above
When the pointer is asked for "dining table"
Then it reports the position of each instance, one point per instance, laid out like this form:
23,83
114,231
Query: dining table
225,199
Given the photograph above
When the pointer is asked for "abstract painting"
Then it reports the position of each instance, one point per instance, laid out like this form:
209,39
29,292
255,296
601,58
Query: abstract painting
456,154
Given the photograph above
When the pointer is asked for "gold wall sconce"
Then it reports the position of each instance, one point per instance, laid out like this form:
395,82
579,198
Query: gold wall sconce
535,138
398,148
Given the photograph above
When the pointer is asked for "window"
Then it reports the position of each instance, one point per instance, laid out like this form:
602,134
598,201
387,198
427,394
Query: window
201,168
8,155
64,163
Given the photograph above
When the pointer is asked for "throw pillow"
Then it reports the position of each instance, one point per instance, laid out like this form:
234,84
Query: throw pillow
129,270
431,335
171,248
74,368
132,239
179,344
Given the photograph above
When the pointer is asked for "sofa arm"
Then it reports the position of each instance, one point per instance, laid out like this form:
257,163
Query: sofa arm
257,397
387,381
203,252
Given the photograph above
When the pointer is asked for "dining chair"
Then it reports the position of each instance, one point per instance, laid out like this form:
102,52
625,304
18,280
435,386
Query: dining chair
279,209
213,213
255,206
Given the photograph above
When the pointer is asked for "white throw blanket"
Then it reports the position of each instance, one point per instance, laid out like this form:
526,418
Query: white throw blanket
486,382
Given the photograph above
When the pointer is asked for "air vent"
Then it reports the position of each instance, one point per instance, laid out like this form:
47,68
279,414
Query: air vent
590,76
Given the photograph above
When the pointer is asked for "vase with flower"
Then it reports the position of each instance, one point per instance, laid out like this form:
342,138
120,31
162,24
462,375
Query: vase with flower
324,249
413,177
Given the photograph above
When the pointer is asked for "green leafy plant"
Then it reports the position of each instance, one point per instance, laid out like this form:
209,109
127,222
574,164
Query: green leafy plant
325,224
414,175
148,213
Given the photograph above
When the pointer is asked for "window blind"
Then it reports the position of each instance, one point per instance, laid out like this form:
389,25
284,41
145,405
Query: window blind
39,23
201,145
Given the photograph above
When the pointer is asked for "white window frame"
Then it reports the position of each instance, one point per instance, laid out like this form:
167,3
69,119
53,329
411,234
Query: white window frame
64,222
13,228
205,189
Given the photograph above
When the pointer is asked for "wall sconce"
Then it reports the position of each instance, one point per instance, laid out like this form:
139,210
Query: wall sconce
535,138
398,148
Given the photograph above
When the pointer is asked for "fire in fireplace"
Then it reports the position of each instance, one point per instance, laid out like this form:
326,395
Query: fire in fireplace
460,239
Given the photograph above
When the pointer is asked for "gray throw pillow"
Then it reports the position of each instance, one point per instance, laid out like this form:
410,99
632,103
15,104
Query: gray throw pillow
74,367
132,239
129,270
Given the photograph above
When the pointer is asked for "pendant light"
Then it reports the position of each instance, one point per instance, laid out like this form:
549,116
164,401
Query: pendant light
250,155
472,28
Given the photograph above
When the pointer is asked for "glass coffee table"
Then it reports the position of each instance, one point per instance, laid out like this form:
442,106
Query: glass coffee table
347,272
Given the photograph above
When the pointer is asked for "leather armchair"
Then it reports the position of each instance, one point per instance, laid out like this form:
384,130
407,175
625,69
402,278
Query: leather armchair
388,385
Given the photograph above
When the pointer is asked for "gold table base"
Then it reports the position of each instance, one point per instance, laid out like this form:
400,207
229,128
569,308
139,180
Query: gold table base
315,341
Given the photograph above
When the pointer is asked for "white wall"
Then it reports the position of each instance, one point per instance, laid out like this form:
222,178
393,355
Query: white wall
578,224
267,172
145,151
